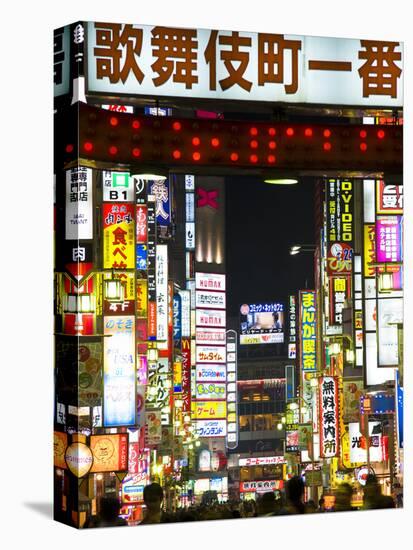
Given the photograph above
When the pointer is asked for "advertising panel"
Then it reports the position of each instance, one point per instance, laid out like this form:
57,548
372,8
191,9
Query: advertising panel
141,298
162,292
291,438
352,391
211,373
339,288
210,336
339,200
142,257
158,392
161,190
210,318
389,198
125,306
79,459
204,299
209,409
79,204
257,320
90,373
118,236
261,486
185,313
211,390
262,461
119,371
117,187
141,223
339,211
153,427
186,375
358,451
369,249
177,317
210,281
308,330
210,354
59,449
232,389
389,239
329,422
190,236
110,452
390,312
210,428
292,317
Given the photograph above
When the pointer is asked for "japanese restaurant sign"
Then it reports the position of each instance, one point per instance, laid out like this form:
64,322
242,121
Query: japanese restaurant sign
329,422
162,61
118,236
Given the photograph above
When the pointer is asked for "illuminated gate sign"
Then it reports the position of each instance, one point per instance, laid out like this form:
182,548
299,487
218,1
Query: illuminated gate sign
138,59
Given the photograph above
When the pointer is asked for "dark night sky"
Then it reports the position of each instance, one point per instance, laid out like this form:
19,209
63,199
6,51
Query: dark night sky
263,222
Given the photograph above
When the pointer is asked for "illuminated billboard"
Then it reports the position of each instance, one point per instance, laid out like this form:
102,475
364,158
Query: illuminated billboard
262,323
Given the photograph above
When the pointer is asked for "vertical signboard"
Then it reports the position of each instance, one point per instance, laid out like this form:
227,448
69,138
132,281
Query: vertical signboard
161,191
210,302
158,392
186,375
119,371
118,236
232,396
339,292
162,292
151,269
329,421
389,198
339,200
79,203
389,239
292,337
308,330
117,187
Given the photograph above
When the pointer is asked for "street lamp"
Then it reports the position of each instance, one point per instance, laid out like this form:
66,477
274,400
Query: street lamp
301,248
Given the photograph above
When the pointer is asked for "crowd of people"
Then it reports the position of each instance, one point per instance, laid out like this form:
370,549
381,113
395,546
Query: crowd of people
290,502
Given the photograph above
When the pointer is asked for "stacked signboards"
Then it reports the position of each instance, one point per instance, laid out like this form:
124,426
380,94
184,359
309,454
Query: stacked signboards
210,399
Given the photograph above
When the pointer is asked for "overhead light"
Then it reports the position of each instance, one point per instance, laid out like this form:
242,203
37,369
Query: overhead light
150,177
294,252
281,181
295,248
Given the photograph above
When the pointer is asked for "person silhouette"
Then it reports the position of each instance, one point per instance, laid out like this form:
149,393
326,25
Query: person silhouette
373,497
342,502
294,493
152,497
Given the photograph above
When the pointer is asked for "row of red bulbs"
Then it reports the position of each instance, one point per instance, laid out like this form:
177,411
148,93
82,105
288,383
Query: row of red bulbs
308,132
196,156
176,154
